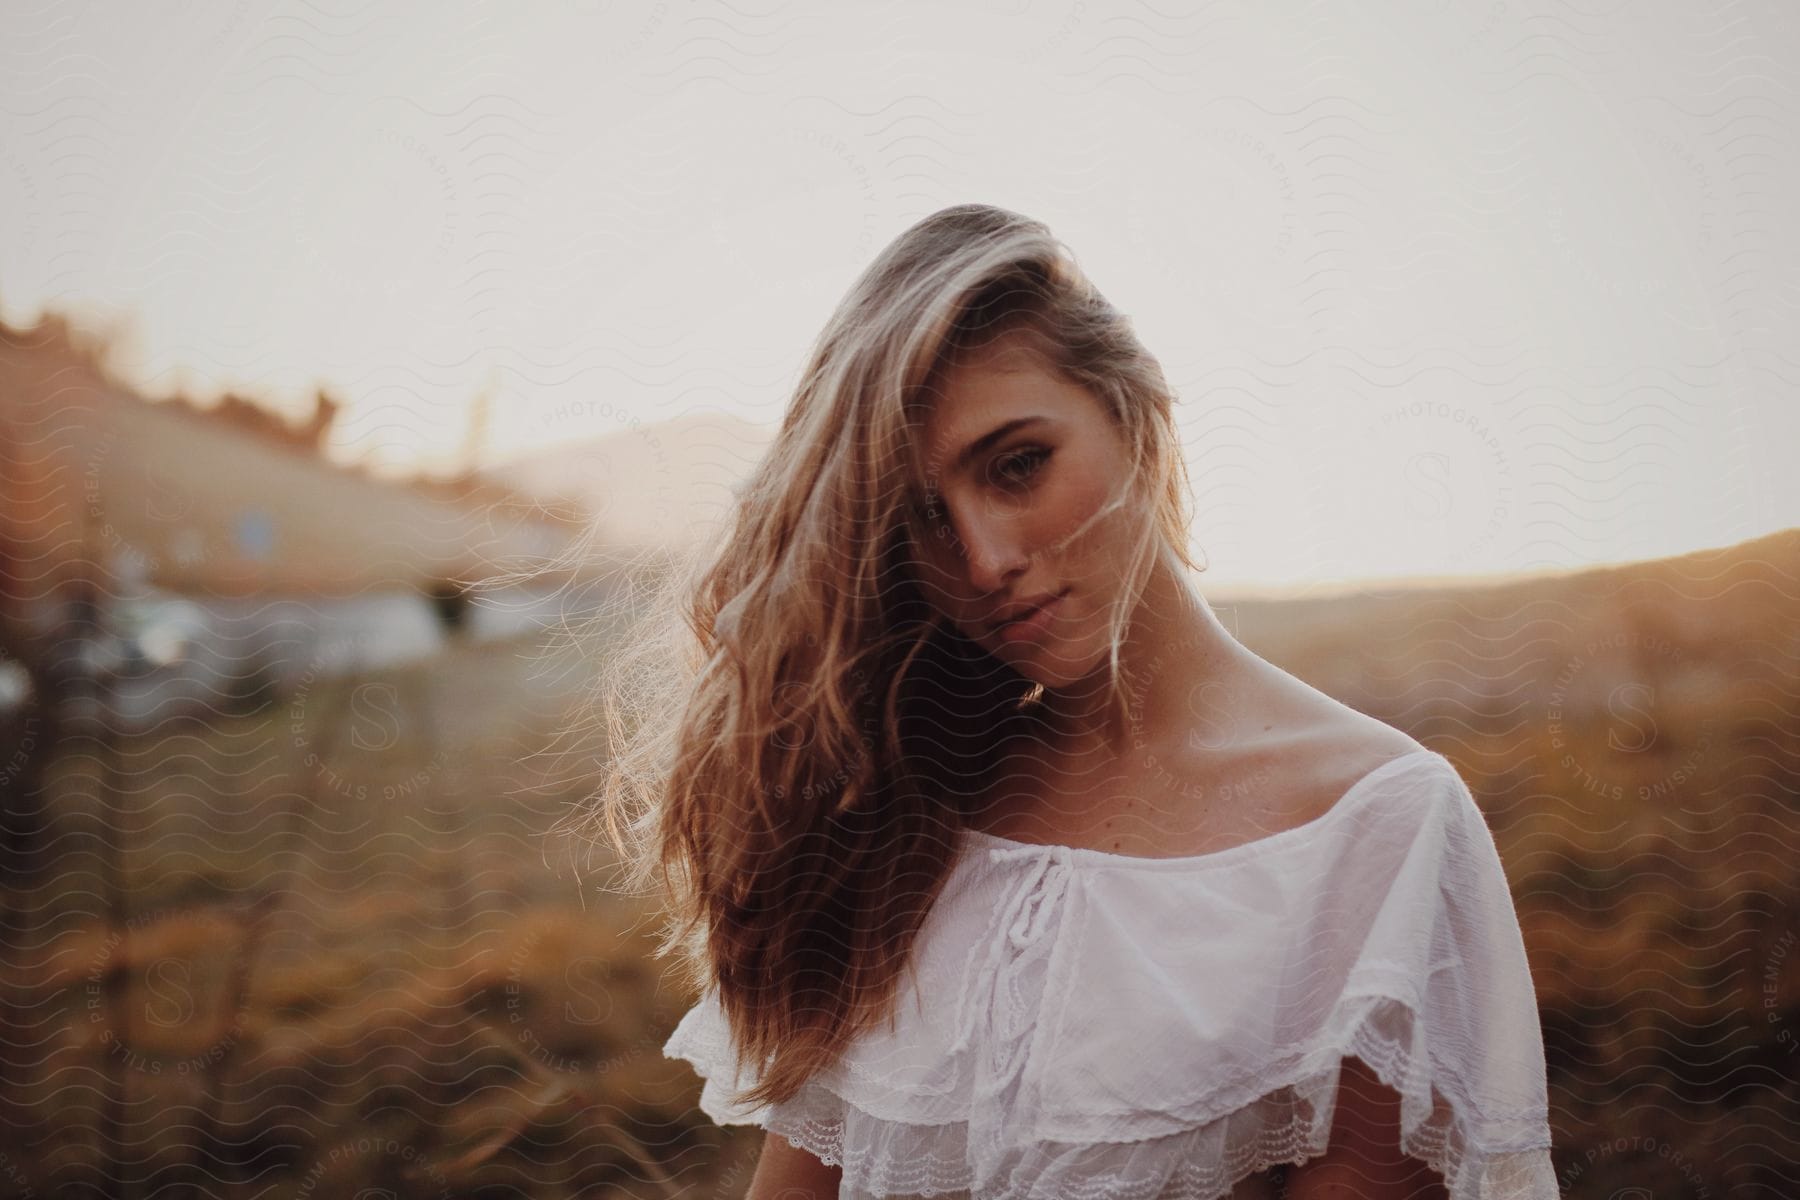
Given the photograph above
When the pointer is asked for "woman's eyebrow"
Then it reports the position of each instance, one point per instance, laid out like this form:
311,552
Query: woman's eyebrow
990,437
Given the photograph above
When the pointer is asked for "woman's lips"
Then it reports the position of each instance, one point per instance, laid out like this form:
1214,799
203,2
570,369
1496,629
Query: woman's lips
1029,627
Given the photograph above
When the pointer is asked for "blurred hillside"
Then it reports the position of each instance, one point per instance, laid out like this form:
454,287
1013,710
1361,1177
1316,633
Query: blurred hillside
224,500
653,485
1485,657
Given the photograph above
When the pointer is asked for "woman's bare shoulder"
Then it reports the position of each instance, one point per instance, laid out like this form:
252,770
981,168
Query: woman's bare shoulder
1319,746
1345,752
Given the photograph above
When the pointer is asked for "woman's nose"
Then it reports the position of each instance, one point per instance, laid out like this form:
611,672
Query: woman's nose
992,555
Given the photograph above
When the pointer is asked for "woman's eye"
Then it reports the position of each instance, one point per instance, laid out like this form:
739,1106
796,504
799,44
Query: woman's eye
1020,465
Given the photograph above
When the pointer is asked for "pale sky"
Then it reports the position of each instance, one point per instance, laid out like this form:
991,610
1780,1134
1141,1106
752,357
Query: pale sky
1444,288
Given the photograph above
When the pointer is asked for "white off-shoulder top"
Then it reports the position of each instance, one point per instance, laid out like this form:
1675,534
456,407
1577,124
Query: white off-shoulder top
1097,1026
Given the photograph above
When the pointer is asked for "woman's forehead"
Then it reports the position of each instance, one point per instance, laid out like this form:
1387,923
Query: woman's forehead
974,401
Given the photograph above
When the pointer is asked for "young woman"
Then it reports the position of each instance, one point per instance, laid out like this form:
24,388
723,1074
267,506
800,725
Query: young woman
999,867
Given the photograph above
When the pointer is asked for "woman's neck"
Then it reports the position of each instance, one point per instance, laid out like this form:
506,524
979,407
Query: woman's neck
1173,643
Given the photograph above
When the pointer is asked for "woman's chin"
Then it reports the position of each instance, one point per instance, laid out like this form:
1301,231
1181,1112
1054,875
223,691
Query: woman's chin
1053,667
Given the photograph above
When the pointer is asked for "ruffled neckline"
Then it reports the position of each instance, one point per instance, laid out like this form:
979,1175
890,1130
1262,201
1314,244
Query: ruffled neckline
1254,848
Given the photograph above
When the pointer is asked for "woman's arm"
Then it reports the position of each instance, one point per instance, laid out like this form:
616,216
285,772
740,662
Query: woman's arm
786,1172
1363,1160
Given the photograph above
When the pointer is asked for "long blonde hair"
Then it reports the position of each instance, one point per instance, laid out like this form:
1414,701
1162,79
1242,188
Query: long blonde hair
794,732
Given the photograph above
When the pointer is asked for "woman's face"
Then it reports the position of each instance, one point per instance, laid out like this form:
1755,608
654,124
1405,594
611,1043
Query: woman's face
1021,462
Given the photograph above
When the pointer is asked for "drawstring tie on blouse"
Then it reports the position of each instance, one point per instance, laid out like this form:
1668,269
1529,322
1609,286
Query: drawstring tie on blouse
991,1002
1023,913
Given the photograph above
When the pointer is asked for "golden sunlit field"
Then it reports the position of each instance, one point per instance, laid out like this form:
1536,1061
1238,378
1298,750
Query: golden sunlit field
326,946
340,958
